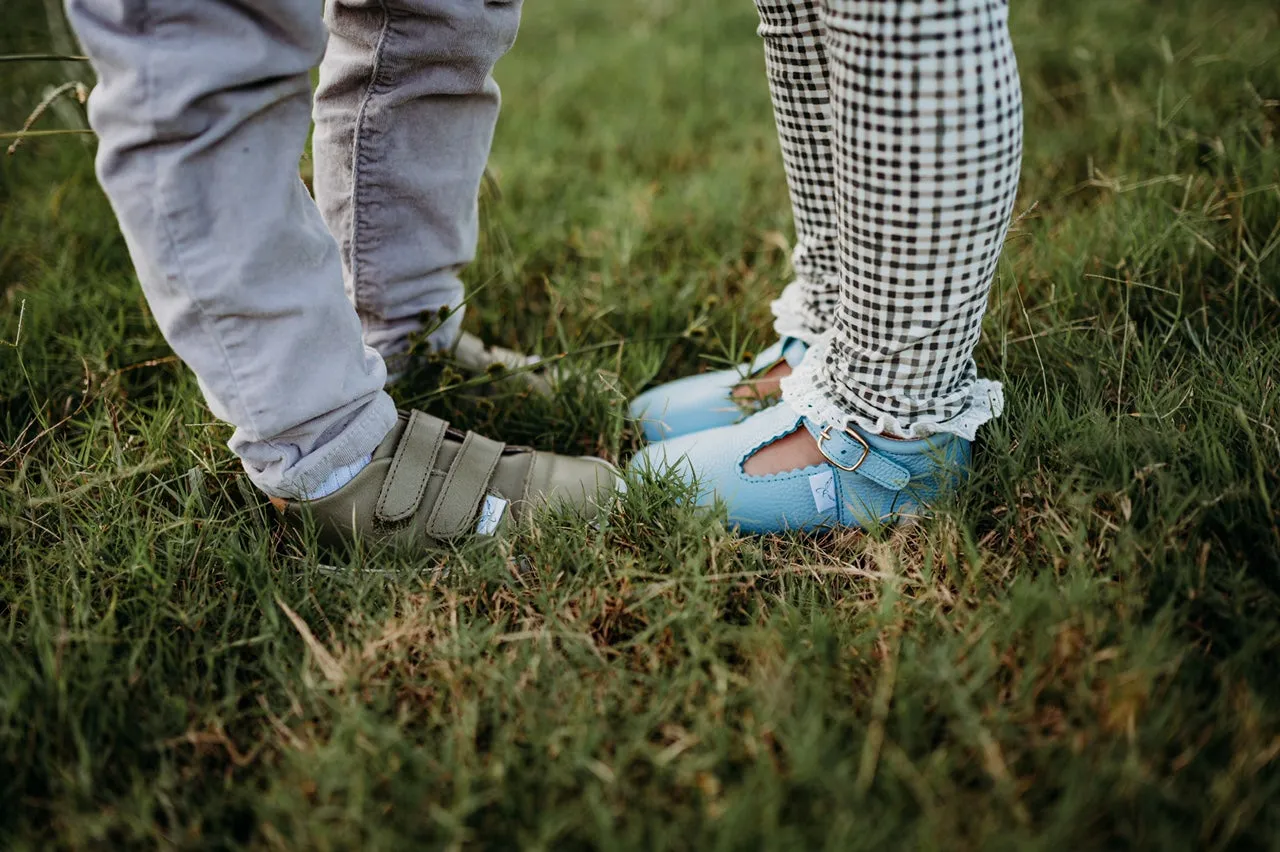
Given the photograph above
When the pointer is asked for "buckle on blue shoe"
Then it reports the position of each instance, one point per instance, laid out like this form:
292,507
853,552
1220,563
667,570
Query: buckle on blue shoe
825,435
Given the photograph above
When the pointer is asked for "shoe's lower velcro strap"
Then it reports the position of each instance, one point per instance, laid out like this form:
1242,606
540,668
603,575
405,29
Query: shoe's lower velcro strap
411,467
464,487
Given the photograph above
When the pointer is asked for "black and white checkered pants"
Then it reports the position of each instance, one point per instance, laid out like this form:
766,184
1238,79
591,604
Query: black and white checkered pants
901,131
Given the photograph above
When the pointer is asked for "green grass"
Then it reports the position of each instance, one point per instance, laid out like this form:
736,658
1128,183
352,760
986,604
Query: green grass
1080,653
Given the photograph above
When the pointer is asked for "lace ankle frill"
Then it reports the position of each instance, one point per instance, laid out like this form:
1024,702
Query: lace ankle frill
811,392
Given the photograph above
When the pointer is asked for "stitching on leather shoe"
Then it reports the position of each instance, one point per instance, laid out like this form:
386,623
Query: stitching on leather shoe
528,477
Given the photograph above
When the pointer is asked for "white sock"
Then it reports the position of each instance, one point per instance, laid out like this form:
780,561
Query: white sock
340,477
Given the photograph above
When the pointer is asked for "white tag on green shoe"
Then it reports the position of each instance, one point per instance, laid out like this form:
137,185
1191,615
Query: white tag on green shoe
491,515
823,486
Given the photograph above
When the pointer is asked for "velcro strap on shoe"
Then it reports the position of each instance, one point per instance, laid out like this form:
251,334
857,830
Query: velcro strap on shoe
847,452
411,467
465,486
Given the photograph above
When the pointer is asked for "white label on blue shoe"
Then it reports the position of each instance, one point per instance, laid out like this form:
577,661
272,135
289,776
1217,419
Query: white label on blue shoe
491,515
823,486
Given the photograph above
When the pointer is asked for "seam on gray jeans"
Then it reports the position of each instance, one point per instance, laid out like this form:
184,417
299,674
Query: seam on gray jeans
357,154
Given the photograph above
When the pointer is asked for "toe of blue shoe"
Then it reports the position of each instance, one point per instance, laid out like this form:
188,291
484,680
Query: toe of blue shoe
705,401
650,411
687,405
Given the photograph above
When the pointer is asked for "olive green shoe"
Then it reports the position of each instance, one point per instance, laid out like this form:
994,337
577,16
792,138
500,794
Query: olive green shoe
473,357
434,485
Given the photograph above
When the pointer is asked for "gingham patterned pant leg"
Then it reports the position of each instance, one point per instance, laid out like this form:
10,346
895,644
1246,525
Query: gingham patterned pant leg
796,63
926,133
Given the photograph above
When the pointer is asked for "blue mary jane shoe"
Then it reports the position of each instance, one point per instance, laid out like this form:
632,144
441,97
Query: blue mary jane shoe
706,401
867,480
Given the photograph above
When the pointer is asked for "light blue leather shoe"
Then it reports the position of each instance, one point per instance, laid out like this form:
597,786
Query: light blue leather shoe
868,480
706,401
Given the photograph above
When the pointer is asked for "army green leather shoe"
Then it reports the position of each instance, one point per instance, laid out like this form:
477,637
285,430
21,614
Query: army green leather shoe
433,485
473,357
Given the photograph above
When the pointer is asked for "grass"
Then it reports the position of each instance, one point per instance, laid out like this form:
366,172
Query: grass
1079,653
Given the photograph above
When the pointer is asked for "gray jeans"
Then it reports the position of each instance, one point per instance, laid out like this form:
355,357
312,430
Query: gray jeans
202,109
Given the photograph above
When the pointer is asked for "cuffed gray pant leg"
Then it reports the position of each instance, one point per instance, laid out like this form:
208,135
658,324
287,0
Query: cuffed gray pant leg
201,109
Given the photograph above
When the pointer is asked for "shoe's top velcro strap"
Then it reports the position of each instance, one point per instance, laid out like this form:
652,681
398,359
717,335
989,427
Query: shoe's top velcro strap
411,467
844,450
464,487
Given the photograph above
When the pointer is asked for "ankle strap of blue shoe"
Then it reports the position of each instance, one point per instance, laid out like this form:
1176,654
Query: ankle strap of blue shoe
848,450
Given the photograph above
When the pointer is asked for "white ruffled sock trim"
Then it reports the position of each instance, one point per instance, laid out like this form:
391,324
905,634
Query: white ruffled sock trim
982,402
790,317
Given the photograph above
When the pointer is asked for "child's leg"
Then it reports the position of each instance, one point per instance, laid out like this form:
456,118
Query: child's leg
405,114
927,125
900,127
796,64
202,111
